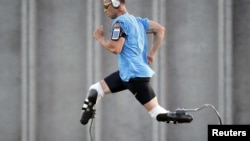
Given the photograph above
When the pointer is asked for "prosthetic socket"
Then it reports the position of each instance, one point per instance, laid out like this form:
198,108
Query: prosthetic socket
94,95
88,110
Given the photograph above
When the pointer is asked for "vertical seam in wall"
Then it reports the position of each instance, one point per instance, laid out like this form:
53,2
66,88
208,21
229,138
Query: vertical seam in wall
225,60
32,69
155,65
89,48
28,86
97,65
24,85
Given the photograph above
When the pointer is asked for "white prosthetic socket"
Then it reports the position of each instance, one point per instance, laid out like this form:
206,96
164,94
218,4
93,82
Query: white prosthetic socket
156,111
95,93
100,93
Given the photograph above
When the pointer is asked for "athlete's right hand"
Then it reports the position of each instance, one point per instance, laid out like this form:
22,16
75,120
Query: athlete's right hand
99,32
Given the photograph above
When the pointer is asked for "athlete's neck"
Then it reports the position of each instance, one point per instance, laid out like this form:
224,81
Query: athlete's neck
122,10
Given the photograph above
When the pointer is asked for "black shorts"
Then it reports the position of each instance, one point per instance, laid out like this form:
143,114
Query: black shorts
140,87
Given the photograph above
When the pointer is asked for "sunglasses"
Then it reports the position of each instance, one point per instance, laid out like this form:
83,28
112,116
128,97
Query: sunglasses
106,6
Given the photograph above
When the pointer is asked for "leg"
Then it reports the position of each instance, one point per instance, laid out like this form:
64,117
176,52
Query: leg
112,83
95,93
154,109
160,114
144,93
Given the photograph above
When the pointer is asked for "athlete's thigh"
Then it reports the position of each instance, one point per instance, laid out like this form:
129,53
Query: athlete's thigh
141,89
114,82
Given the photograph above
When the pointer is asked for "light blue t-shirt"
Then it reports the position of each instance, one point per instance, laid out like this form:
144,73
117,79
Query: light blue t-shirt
132,60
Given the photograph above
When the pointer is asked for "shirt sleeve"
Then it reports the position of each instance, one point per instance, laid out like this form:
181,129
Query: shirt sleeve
144,21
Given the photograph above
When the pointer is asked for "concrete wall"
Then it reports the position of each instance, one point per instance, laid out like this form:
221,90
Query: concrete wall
48,59
10,70
192,59
241,67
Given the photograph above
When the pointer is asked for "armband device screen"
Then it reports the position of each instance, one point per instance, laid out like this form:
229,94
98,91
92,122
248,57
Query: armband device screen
117,33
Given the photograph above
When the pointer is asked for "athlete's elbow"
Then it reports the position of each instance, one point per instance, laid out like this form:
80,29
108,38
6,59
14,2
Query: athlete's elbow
115,49
162,30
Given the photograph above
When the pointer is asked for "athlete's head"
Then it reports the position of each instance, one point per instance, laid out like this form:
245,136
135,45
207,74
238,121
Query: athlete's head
114,8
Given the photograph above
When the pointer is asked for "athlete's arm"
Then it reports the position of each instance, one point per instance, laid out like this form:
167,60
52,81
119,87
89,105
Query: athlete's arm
158,32
112,45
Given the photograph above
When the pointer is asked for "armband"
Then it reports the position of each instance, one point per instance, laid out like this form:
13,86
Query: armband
117,33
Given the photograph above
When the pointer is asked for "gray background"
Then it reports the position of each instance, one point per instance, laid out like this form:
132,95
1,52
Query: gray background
48,59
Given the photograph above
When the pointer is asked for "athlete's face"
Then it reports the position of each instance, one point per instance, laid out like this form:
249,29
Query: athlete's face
106,4
108,9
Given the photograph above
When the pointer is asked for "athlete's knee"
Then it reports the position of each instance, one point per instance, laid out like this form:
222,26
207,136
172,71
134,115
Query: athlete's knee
95,92
144,98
